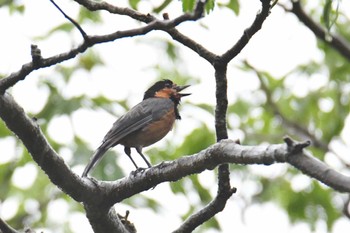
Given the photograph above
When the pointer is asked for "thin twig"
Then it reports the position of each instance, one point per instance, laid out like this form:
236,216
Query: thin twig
82,32
155,24
336,42
248,33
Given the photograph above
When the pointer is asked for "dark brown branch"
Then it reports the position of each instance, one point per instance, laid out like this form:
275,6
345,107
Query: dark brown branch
155,24
193,45
215,206
221,101
104,220
146,18
197,219
248,33
235,50
80,29
335,41
102,5
221,132
4,228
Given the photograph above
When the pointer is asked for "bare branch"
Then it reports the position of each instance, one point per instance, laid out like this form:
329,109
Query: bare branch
248,33
320,171
226,151
82,32
30,134
154,24
221,101
104,219
102,5
5,228
235,50
215,206
336,42
99,196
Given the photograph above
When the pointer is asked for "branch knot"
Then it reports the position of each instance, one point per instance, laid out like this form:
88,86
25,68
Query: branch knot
294,147
35,52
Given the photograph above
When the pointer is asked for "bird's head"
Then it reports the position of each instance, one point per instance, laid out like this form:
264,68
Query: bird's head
166,89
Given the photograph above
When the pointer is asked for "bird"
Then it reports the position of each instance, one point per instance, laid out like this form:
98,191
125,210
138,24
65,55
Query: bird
144,124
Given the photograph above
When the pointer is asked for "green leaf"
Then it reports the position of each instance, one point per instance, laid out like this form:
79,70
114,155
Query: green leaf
4,131
134,3
233,5
87,15
89,59
209,6
13,6
162,6
66,27
199,139
188,5
330,16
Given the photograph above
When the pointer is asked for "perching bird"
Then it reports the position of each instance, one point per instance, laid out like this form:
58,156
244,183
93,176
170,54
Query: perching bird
145,124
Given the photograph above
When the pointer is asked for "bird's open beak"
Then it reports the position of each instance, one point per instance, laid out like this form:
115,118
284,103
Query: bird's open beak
180,88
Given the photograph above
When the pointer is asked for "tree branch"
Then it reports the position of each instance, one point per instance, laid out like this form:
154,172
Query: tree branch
5,228
336,42
248,33
30,134
226,151
215,206
80,29
296,127
89,41
235,50
104,219
99,195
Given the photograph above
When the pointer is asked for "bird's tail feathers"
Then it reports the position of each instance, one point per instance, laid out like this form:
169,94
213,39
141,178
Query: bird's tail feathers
95,158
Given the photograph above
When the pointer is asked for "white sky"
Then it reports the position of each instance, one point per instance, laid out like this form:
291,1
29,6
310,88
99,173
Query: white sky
276,48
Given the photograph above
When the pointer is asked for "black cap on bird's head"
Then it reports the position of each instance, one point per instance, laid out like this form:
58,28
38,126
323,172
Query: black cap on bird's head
166,89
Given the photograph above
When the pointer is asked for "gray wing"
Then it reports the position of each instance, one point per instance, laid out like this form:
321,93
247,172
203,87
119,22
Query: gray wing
138,117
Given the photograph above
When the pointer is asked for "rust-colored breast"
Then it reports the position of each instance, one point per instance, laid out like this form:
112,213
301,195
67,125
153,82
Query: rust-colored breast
151,133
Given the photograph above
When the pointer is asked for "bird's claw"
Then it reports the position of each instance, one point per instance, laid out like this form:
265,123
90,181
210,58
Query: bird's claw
138,170
93,180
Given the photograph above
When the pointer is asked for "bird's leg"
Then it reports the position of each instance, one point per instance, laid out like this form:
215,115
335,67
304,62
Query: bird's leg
128,153
139,150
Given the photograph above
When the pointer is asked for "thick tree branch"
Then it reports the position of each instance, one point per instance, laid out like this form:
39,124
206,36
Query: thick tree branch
98,195
226,151
104,220
30,134
336,42
4,228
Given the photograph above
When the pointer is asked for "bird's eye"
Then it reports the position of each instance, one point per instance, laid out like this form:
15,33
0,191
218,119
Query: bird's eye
168,85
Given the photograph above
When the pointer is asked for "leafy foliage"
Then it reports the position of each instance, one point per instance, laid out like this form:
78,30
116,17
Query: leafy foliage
321,112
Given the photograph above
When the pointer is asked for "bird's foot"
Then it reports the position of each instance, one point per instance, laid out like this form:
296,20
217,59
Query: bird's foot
138,170
92,179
